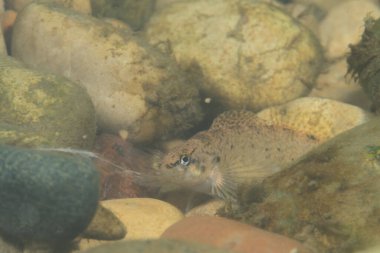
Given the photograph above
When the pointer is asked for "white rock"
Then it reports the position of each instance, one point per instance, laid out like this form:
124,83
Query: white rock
133,87
344,25
253,54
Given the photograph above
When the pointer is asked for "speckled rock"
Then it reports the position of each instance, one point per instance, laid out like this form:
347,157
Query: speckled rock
45,197
104,226
40,109
210,208
319,117
144,218
252,54
156,246
231,235
329,199
133,86
344,25
134,12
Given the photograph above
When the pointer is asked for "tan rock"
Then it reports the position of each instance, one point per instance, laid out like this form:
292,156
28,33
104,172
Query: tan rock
208,209
334,84
104,226
344,25
144,218
133,86
322,118
7,247
3,48
253,54
231,235
83,6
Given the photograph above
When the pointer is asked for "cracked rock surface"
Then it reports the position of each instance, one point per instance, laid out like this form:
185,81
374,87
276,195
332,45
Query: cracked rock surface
251,54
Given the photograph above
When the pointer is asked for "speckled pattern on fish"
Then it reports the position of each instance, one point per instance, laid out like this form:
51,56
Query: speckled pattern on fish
239,148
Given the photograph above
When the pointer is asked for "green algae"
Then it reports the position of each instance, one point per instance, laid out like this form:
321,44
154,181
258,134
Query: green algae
42,109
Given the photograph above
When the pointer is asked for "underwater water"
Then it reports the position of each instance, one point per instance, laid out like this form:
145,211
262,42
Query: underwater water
189,126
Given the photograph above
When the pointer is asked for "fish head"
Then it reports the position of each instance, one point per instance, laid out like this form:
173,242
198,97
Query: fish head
189,165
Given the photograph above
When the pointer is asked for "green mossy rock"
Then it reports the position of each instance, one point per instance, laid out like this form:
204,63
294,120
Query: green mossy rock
39,109
45,197
330,199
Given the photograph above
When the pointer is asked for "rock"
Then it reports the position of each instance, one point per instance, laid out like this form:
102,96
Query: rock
45,197
83,6
9,247
329,199
133,86
230,235
334,84
105,226
252,54
133,12
319,117
156,246
40,109
343,25
3,48
208,209
144,218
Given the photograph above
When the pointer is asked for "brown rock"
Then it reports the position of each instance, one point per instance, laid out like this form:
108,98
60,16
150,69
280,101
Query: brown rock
231,235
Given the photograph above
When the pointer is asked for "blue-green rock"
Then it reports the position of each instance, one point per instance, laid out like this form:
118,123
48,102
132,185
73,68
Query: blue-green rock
45,196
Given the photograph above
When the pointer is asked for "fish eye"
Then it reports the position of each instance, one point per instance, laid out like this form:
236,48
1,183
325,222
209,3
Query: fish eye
184,160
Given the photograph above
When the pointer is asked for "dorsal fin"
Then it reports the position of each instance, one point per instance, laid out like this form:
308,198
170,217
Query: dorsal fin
231,119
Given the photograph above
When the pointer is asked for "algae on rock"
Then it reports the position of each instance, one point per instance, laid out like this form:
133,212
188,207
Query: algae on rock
329,199
39,109
364,61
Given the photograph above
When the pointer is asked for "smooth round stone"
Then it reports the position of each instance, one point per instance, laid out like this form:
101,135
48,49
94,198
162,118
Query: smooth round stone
231,235
45,197
321,118
41,109
252,54
156,246
144,218
134,87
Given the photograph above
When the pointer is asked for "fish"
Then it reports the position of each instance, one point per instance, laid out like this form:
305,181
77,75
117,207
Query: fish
238,149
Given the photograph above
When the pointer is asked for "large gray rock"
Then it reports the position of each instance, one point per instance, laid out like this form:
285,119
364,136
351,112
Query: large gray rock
45,197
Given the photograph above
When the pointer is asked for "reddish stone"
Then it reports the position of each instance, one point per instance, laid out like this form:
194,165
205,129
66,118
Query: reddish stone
231,235
122,159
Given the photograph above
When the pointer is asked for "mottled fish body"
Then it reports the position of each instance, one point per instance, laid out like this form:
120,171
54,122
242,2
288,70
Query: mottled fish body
239,148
